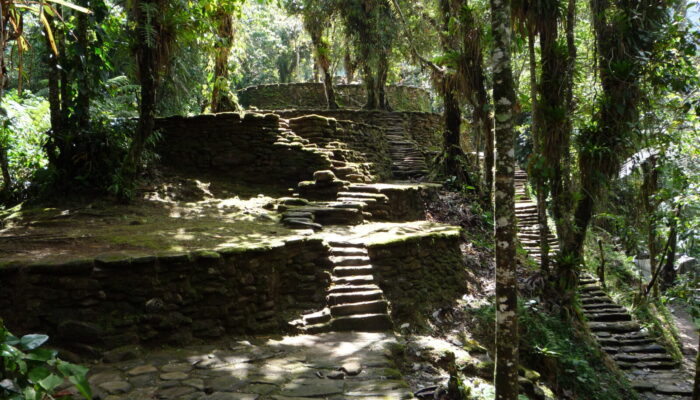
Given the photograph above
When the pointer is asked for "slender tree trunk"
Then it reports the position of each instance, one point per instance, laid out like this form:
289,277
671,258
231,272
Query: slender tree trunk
453,121
506,380
147,107
349,67
82,101
221,98
382,75
369,84
321,52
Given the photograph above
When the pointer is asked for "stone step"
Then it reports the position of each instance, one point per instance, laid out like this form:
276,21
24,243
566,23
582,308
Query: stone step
648,348
363,307
377,196
354,297
353,271
614,327
349,260
363,323
609,317
317,317
348,288
596,300
353,280
642,357
347,251
340,243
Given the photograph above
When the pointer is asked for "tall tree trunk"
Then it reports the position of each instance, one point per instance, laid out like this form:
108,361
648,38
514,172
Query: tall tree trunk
649,188
321,52
349,67
382,75
147,108
82,101
221,97
369,84
506,380
453,120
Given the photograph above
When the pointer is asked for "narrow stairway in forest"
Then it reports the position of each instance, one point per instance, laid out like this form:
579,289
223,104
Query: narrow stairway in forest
651,370
407,160
528,226
354,302
647,364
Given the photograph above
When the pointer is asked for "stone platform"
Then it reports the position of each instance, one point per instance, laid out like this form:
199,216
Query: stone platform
329,366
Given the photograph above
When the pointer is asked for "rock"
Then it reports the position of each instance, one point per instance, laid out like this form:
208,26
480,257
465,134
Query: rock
230,396
173,376
80,331
335,375
142,369
115,387
123,353
177,367
352,367
324,176
314,388
175,392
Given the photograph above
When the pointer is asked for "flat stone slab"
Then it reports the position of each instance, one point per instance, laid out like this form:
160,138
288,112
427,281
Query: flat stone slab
287,368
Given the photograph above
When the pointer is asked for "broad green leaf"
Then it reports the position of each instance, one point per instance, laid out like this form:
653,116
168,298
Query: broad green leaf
51,382
31,342
82,385
41,355
38,373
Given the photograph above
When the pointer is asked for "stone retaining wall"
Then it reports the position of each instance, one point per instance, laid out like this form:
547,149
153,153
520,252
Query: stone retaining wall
172,298
425,128
248,148
419,273
368,141
312,95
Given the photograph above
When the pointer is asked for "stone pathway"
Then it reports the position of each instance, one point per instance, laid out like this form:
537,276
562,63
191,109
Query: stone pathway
328,366
407,160
528,226
354,301
651,370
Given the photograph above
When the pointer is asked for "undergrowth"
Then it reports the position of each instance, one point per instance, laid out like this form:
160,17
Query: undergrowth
562,352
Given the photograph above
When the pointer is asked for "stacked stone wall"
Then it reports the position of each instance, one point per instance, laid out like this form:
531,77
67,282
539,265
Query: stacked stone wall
424,128
251,148
368,141
419,273
172,298
309,95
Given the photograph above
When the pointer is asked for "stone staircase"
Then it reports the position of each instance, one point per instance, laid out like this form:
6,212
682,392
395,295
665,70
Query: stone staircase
528,226
354,302
651,370
407,160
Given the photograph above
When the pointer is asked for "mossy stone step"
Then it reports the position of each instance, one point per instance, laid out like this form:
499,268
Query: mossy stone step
363,322
641,357
353,280
347,251
350,260
614,327
652,365
650,348
348,288
318,317
365,195
354,297
609,317
363,307
597,300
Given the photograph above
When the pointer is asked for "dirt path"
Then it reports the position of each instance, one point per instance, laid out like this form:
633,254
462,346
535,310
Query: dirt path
688,333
